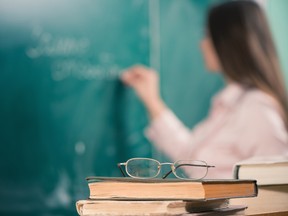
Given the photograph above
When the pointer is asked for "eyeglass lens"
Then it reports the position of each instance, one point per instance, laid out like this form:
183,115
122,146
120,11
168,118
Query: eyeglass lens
142,168
188,169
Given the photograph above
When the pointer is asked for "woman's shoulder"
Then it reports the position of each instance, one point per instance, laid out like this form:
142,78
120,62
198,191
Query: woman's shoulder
257,97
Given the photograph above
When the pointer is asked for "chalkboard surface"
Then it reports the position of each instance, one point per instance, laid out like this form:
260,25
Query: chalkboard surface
64,114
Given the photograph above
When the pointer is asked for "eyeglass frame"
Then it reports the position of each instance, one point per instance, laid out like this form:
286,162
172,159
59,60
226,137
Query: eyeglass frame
172,165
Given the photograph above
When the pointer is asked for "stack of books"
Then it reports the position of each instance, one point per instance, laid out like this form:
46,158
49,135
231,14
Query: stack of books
271,174
128,196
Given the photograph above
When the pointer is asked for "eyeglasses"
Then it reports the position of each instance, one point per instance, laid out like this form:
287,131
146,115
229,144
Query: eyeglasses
145,168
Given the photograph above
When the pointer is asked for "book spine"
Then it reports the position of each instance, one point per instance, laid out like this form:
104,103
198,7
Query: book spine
256,188
236,171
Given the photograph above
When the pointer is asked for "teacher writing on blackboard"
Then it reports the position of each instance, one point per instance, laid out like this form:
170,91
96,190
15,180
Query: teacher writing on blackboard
249,117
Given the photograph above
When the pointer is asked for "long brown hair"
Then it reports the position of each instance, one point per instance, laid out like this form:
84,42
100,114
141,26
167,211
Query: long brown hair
244,45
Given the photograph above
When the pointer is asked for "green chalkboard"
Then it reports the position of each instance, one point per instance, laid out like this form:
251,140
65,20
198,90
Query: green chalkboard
64,114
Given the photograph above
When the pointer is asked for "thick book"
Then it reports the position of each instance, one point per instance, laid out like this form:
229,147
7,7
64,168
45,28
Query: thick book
269,170
120,207
170,189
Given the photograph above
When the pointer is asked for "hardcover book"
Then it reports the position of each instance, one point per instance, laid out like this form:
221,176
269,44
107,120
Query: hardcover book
105,188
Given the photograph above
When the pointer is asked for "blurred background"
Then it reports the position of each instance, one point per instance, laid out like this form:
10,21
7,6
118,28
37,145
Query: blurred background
65,115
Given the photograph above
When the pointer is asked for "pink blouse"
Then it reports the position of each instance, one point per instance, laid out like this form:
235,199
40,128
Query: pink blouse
242,123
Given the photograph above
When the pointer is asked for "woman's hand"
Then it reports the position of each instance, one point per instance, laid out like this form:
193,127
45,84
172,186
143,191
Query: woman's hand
145,82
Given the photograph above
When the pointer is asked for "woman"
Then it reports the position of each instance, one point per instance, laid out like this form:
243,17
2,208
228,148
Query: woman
248,118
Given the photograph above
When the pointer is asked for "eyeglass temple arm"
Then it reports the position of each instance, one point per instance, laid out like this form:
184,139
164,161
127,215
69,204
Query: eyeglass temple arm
121,170
197,165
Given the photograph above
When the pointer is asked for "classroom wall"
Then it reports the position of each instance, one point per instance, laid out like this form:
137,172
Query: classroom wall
277,14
